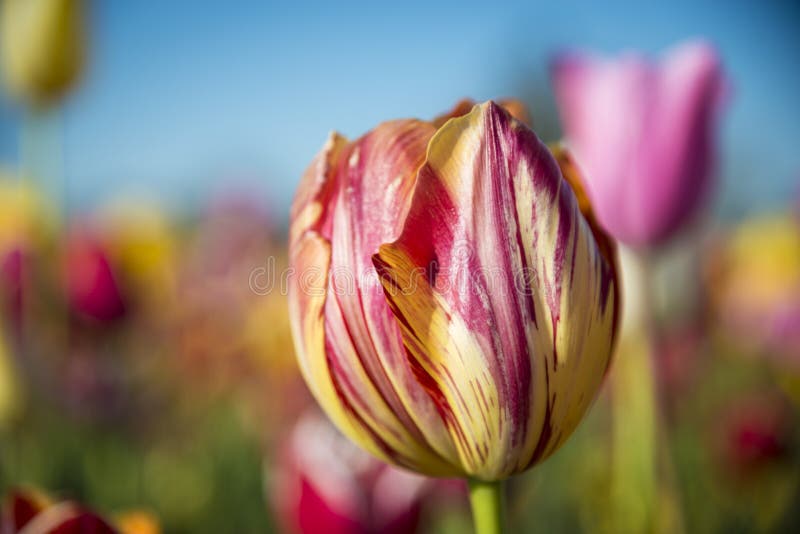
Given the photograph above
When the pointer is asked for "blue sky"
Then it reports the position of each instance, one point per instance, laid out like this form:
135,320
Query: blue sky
183,97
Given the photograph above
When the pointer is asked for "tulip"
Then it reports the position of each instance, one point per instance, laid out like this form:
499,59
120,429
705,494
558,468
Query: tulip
754,432
30,512
25,228
643,134
137,522
9,384
452,308
324,483
42,47
11,269
756,285
142,243
92,288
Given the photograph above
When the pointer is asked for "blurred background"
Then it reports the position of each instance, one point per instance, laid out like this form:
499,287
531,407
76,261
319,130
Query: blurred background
146,174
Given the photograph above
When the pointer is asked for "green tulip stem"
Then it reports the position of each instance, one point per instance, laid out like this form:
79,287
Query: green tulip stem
488,510
644,495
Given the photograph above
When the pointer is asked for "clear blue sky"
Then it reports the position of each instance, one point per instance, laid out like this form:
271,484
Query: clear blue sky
183,95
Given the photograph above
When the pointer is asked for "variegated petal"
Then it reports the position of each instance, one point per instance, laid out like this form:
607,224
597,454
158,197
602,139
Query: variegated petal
515,108
505,301
357,367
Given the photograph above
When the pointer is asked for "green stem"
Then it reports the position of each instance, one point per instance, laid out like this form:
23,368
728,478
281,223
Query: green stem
488,510
643,492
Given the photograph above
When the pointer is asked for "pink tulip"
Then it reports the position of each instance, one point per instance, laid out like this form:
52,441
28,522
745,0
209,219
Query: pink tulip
12,264
643,134
326,484
92,288
755,432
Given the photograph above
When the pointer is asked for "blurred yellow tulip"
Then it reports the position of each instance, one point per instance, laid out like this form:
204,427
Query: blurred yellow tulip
143,243
755,283
137,522
764,255
42,44
9,390
24,215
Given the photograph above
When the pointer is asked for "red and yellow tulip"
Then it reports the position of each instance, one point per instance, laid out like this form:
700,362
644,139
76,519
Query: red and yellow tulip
453,302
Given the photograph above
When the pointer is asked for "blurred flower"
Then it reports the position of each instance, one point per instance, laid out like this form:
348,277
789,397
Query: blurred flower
218,304
755,285
755,431
325,484
25,226
9,386
30,512
643,133
20,506
42,47
678,361
11,279
452,308
92,288
137,522
143,244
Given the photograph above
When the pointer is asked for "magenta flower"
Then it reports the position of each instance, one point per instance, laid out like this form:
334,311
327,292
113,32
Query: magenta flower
12,265
92,287
755,431
326,484
643,135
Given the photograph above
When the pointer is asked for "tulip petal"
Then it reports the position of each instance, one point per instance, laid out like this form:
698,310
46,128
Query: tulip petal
515,108
494,272
356,365
310,206
607,246
20,507
310,257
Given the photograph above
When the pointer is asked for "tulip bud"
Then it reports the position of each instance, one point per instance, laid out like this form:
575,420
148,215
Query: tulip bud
25,227
92,288
11,269
754,432
452,307
755,285
643,134
30,512
42,47
19,507
137,522
324,483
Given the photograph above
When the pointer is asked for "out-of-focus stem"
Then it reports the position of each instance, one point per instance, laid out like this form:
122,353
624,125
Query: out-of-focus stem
41,165
488,508
41,156
643,495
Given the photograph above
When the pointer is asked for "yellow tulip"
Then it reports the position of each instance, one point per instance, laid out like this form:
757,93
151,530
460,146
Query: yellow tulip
42,46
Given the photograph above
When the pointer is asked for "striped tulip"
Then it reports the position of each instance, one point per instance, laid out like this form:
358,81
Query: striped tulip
453,307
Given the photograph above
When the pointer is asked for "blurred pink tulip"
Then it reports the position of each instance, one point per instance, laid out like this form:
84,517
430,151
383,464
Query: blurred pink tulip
756,432
643,134
11,268
92,288
326,484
